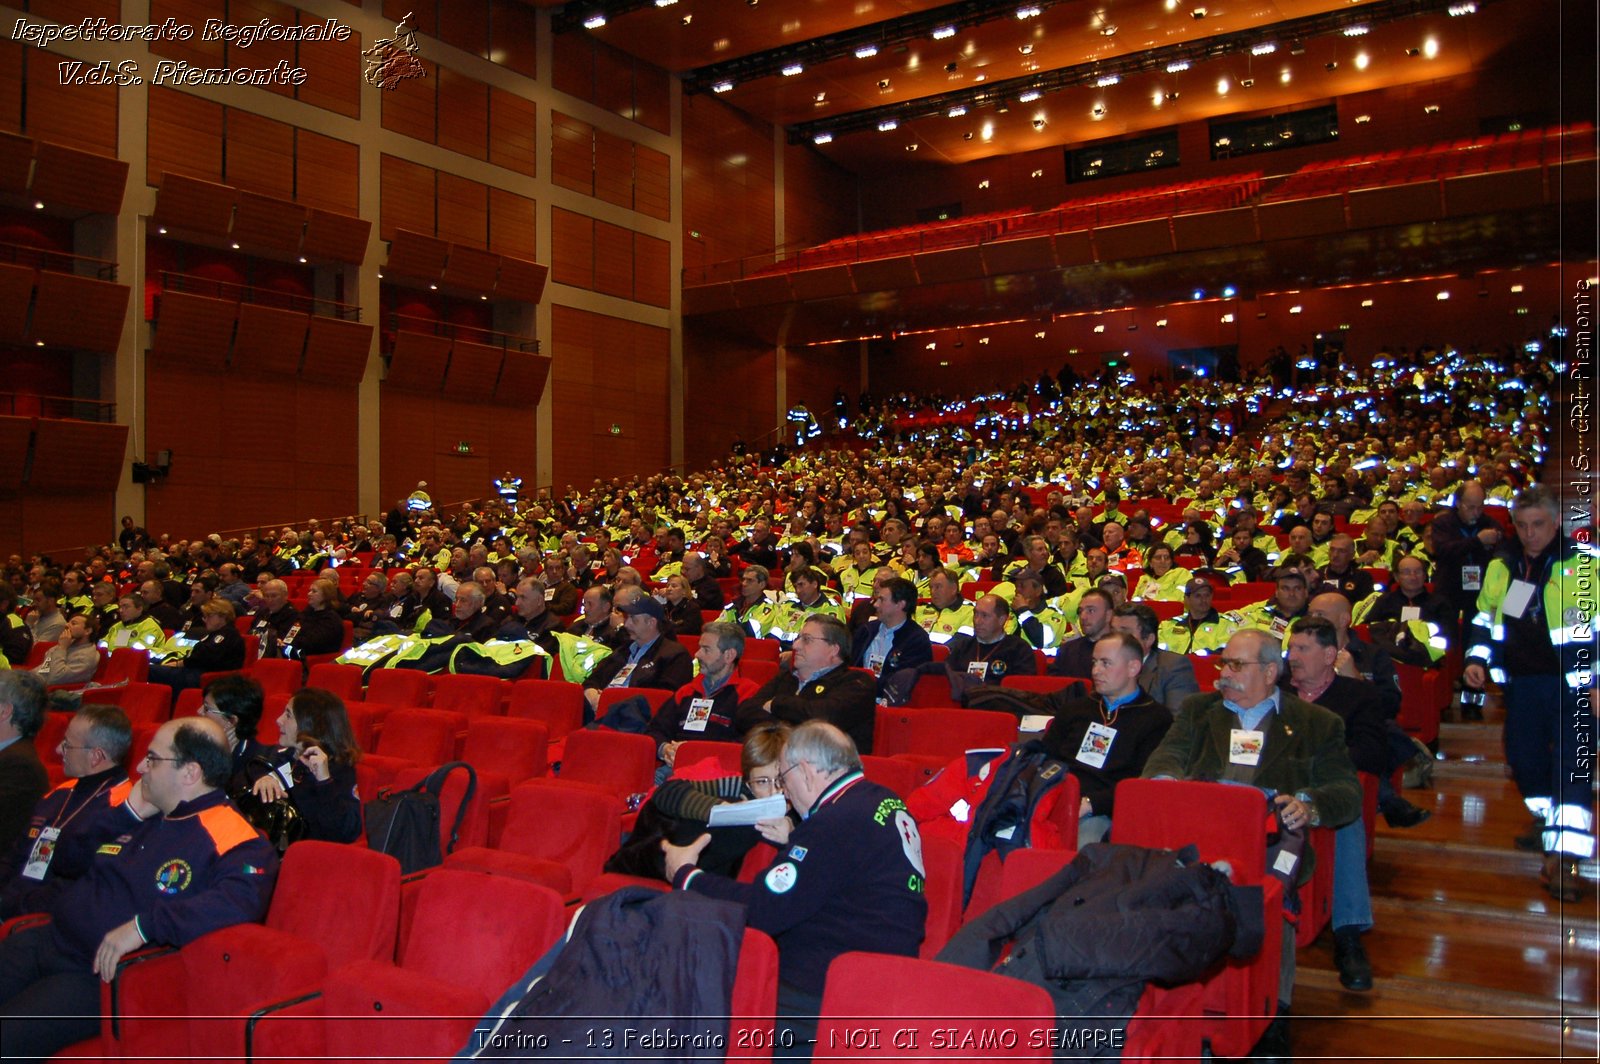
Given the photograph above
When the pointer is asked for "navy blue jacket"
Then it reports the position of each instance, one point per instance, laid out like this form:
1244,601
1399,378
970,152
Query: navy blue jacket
76,808
911,648
201,868
851,878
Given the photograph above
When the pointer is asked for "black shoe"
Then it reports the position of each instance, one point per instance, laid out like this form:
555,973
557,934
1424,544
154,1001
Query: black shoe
1562,877
1355,971
1471,714
1273,1048
1402,814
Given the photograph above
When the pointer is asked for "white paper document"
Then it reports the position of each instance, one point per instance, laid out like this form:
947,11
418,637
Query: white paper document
744,814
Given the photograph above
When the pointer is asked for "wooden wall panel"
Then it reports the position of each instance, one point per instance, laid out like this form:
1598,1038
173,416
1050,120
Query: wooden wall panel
463,124
464,24
66,11
190,13
194,331
411,107
420,435
731,205
406,198
572,66
513,36
15,434
417,362
716,364
613,169
185,136
78,456
463,211
513,122
613,80
652,273
16,292
80,312
10,87
652,97
513,224
264,53
83,116
336,351
57,524
474,369
269,341
607,371
258,154
613,260
652,182
571,153
571,248
327,172
333,74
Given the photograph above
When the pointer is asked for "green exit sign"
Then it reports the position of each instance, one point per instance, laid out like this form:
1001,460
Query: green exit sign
464,447
616,430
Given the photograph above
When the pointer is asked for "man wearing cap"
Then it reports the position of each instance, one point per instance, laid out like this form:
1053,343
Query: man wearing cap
1200,629
650,659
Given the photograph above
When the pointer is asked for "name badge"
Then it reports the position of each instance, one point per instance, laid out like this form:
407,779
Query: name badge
1471,578
621,678
1096,745
699,715
1244,746
44,848
549,594
978,670
1518,596
875,663
1280,625
1410,613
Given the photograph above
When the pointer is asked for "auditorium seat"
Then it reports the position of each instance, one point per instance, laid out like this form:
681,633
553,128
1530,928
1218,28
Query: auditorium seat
342,680
555,834
557,703
473,696
400,687
617,763
144,703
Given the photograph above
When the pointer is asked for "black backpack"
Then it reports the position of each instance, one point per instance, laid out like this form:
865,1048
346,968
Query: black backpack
405,824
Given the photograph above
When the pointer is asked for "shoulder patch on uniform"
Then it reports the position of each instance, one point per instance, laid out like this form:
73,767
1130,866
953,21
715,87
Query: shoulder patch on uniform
227,827
797,853
782,878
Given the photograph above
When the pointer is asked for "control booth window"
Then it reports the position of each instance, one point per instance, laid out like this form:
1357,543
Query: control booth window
1110,158
1233,137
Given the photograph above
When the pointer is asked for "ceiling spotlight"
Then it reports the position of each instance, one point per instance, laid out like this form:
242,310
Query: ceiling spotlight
932,345
687,19
822,138
1285,76
1179,67
1247,83
1098,111
38,205
1156,98
887,124
1413,52
1362,59
1357,31
1039,335
1038,123
1442,296
665,3
594,21
1029,96
983,340
1108,31
486,298
911,147
1198,13
968,136
1362,120
1431,109
1038,173
433,288
866,51
1109,79
957,111
1430,47
1025,49
1222,86
1457,10
1227,319
1366,302
303,259
1161,323
1264,49
988,131
984,183
943,32
722,86
1295,309
1516,288
821,97
883,84
236,245
1331,65
162,230
1028,11
1099,328
792,69
1173,95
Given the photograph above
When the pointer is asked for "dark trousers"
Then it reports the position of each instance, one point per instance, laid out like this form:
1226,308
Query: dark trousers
1545,759
47,1000
797,1023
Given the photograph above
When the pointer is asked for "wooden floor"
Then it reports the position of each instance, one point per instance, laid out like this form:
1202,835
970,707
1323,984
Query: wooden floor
1472,959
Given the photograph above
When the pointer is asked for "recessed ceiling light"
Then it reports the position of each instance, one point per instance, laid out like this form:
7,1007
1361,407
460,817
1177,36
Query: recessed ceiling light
1198,13
1442,296
162,230
1430,109
1366,302
1227,319
984,183
433,287
822,138
1430,47
1025,49
1029,96
594,21
1222,86
1362,59
1179,67
943,32
866,51
1516,288
38,205
1161,323
722,86
303,259
1099,328
887,124
1362,120
957,111
236,245
792,69
1284,77
911,147
1297,308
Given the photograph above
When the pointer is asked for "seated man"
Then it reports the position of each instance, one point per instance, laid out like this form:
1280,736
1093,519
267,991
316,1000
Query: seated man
190,866
133,628
1277,613
1313,647
22,776
598,621
1341,574
947,615
468,617
1041,624
707,592
818,686
811,596
1200,629
705,707
890,642
1421,623
74,659
1108,736
1249,732
66,828
1167,677
651,659
1094,621
979,660
851,876
274,617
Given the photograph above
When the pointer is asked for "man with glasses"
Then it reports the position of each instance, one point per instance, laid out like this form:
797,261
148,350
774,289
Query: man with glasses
187,864
67,823
1250,732
850,878
819,686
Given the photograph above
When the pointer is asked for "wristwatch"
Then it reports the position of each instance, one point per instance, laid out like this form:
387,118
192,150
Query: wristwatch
1313,817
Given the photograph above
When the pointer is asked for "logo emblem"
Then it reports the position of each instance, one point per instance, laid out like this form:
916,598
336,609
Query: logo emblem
174,877
389,62
781,879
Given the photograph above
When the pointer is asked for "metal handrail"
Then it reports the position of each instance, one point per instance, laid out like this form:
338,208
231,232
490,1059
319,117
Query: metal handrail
57,407
470,333
172,281
57,261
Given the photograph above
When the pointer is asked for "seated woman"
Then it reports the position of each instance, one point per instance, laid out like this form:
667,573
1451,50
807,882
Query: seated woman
320,629
1162,581
315,766
220,648
679,809
681,608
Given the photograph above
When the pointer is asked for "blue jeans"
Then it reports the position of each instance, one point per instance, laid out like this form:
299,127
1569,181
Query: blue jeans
1352,902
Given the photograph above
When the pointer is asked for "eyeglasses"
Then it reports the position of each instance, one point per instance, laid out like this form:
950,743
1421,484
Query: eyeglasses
152,758
1237,664
807,637
779,778
764,781
64,745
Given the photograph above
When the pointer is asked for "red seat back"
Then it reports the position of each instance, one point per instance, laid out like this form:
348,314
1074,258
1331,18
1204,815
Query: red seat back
124,665
399,687
940,732
755,998
421,736
576,826
144,703
515,749
474,696
478,931
725,754
619,763
474,825
901,777
342,680
276,675
557,703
